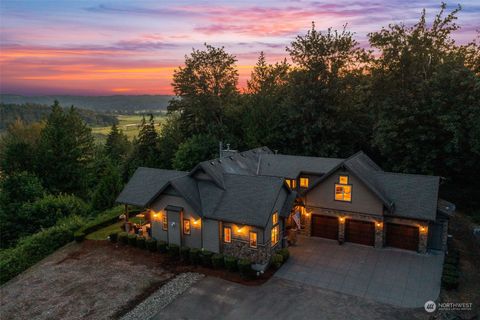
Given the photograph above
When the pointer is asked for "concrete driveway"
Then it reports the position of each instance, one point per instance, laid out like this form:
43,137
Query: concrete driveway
397,277
213,298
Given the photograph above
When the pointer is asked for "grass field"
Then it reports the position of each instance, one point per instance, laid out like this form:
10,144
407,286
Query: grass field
129,124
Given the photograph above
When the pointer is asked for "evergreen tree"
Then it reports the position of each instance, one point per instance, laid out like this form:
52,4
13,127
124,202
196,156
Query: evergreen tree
66,152
196,149
117,146
108,188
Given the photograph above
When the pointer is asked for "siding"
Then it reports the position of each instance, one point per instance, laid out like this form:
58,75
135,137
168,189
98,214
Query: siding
211,238
363,200
194,240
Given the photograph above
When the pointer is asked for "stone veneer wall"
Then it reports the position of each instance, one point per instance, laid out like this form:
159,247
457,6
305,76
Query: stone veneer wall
241,249
445,235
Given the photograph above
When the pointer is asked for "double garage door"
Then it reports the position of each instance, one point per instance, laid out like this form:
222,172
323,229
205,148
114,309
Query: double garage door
356,231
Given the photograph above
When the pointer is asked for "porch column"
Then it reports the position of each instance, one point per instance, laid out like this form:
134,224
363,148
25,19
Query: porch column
379,234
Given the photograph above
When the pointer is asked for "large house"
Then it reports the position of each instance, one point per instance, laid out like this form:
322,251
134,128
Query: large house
242,203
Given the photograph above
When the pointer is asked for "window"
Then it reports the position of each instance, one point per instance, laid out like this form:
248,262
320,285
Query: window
164,222
292,183
186,226
304,182
275,234
253,239
343,180
275,218
343,192
227,234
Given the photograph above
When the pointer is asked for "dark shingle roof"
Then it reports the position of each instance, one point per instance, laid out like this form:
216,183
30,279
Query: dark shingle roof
445,207
287,166
247,200
144,185
414,196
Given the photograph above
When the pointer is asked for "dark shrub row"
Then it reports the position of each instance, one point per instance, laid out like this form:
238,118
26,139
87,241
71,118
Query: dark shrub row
193,256
451,274
101,221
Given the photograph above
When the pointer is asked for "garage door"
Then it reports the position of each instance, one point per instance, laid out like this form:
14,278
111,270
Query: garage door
325,227
402,236
362,232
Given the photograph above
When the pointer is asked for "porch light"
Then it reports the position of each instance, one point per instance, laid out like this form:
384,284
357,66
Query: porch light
239,229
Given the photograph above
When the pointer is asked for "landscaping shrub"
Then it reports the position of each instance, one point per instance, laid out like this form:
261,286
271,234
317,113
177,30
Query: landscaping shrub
123,237
194,256
113,237
185,254
132,239
151,244
217,261
206,258
277,260
79,236
231,263
284,253
245,268
31,249
162,246
141,243
173,251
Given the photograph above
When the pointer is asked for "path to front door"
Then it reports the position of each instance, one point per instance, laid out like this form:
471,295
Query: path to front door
398,277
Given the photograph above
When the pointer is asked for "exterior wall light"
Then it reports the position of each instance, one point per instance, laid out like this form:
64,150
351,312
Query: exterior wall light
342,219
379,224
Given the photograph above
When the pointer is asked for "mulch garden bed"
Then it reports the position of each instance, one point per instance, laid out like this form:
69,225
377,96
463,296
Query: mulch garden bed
143,256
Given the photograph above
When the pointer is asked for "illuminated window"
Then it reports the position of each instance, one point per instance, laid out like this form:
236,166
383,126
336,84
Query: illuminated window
164,222
186,226
227,234
343,192
253,239
275,218
304,182
275,234
343,180
292,183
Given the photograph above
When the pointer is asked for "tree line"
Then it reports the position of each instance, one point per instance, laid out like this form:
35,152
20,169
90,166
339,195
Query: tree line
411,101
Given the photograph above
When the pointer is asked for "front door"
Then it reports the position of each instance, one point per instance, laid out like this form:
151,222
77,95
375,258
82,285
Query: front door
174,227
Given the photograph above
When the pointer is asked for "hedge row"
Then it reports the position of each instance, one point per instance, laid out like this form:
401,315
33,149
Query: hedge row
193,256
34,248
101,221
450,270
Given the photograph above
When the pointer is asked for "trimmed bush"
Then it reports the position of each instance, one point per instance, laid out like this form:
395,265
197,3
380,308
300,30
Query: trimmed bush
103,220
284,253
185,254
245,268
123,237
113,237
217,261
141,243
162,246
231,263
173,251
206,258
132,239
151,244
194,256
277,260
34,248
79,236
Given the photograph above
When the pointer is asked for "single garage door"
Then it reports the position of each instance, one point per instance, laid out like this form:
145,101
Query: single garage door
402,236
362,232
325,227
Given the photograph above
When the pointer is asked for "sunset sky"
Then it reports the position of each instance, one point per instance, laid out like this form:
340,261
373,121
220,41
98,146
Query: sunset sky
132,47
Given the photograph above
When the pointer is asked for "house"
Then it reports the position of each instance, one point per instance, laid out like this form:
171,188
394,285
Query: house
242,203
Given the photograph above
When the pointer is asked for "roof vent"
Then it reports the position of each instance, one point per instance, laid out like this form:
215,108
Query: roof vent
212,163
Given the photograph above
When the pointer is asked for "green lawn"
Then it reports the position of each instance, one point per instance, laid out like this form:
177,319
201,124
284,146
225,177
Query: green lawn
129,124
103,233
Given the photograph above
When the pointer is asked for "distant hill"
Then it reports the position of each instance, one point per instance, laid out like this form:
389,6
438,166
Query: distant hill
110,104
30,112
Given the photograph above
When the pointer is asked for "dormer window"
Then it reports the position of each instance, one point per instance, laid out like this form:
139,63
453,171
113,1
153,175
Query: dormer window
304,182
